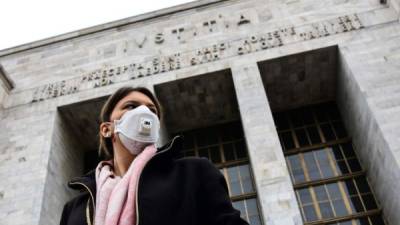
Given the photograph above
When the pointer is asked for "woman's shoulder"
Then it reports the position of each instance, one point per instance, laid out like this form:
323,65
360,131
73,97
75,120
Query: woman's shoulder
194,161
197,163
73,209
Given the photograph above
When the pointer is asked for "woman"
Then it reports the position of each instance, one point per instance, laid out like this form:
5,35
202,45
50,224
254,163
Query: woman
138,183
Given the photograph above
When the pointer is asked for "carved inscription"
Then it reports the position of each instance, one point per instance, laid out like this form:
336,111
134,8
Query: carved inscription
184,33
243,20
159,39
178,32
54,90
162,64
140,40
211,25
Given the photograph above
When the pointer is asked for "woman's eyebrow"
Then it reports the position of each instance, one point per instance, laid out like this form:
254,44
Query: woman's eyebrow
139,103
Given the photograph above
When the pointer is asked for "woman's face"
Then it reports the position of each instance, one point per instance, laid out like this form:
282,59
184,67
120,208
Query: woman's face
131,101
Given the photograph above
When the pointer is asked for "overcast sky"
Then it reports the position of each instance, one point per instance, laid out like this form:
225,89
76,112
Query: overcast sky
24,21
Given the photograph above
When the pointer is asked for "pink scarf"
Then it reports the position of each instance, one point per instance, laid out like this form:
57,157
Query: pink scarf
115,195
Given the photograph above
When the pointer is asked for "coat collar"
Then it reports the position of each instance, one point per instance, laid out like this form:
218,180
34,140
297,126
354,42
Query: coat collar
87,181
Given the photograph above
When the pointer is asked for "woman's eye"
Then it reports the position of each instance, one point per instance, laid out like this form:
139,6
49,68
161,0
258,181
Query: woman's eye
130,106
153,110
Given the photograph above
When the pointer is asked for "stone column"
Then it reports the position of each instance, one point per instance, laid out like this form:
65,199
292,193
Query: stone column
274,188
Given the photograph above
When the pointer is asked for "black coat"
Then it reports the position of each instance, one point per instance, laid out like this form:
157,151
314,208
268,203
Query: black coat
172,190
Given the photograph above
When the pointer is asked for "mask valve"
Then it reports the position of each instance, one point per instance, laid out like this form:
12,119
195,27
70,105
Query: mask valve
145,126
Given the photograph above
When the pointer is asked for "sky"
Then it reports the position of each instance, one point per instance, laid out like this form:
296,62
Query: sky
24,21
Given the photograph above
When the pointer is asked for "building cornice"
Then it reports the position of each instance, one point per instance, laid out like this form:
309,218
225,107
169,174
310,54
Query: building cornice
108,26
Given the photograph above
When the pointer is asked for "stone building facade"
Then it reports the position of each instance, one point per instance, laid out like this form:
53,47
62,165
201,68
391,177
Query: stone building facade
214,63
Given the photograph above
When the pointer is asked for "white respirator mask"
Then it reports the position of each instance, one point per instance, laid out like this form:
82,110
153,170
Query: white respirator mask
137,128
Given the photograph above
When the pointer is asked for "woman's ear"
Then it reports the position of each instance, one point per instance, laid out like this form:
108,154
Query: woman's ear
106,129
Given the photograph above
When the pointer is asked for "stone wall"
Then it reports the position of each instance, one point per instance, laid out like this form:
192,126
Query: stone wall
369,99
168,44
3,94
25,149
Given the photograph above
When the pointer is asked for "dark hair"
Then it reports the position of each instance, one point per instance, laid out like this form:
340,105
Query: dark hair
105,144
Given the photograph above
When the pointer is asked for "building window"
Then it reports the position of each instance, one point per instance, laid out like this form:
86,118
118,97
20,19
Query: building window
224,145
329,182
